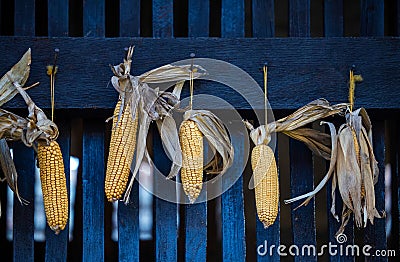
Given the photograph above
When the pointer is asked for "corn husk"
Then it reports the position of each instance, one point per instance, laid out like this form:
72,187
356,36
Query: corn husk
19,73
293,126
150,104
351,173
213,130
29,130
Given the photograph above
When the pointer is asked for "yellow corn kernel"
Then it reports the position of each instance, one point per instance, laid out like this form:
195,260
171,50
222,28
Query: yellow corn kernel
267,187
54,185
122,149
191,140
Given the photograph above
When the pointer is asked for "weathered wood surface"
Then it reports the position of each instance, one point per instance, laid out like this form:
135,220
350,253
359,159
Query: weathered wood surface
304,69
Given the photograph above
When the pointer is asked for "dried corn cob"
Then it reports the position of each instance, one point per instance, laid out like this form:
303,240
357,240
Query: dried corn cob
54,185
191,141
122,148
266,183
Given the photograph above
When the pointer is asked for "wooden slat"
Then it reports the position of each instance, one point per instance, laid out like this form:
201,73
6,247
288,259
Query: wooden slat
270,234
23,214
372,18
263,18
322,61
199,18
333,18
56,245
196,224
93,190
299,18
58,17
163,18
232,209
232,18
398,18
129,18
196,214
301,182
398,190
333,225
165,213
128,227
94,18
24,18
196,230
375,235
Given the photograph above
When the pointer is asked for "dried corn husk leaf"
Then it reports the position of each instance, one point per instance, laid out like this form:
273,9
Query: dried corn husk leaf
19,73
215,132
293,126
9,171
15,128
352,173
150,104
318,142
309,113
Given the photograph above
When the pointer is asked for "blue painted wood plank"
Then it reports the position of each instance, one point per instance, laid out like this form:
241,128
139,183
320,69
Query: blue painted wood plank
232,18
24,17
56,245
199,18
23,214
232,206
333,18
271,235
93,173
372,18
165,213
58,17
196,230
308,69
302,181
299,18
398,18
333,226
163,18
128,227
129,18
196,224
263,18
94,18
375,235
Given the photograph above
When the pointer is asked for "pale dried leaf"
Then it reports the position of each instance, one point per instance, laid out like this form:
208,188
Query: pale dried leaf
332,164
144,124
8,168
315,140
172,73
349,173
170,138
215,132
19,73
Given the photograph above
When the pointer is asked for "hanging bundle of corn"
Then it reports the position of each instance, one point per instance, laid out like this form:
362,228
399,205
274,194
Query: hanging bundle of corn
196,125
353,167
138,105
265,177
265,173
36,127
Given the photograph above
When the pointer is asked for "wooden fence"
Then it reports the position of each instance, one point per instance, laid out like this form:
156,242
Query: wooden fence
301,69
